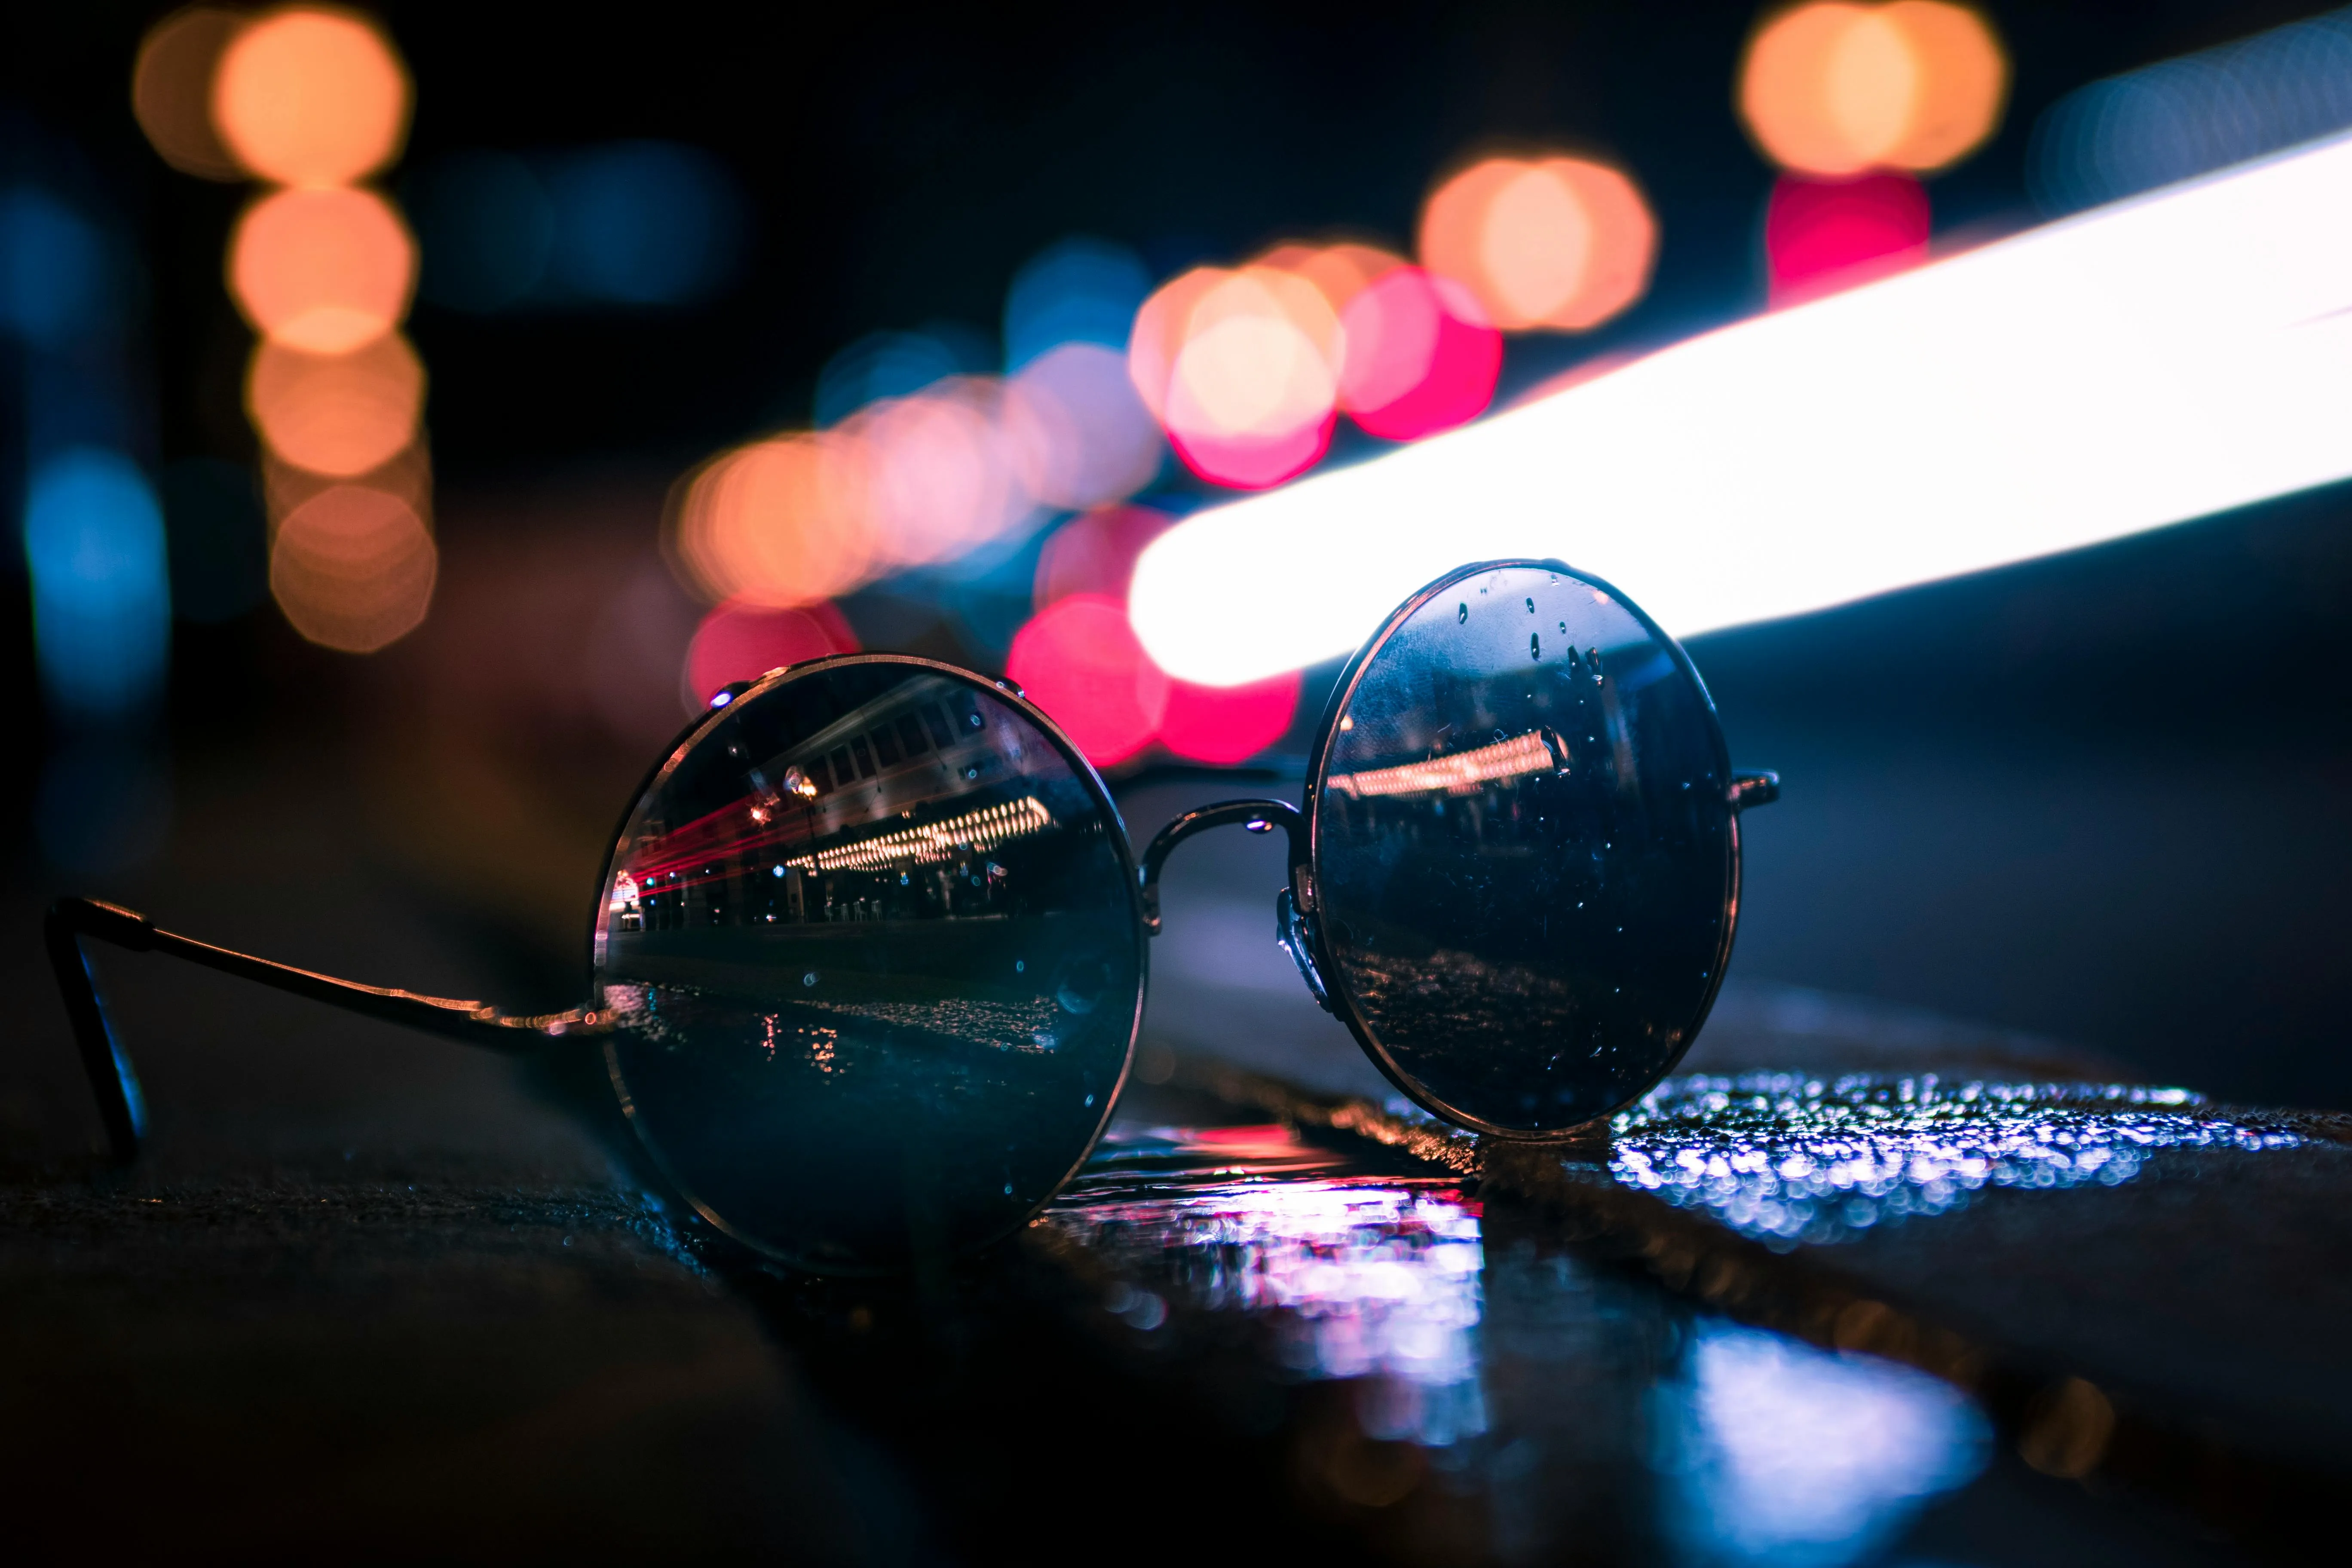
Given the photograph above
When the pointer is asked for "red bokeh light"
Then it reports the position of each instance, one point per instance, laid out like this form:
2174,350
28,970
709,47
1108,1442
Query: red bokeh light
1079,661
1096,553
1821,236
1421,355
743,641
1228,723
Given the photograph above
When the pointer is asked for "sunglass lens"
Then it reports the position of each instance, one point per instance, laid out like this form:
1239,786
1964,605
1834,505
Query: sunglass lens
870,940
1524,851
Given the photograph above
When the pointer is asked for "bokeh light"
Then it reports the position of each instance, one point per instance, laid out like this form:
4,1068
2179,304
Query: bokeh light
407,474
778,523
1835,88
1557,243
886,364
1824,234
322,270
171,89
94,546
352,568
1241,369
1078,290
1075,433
642,223
341,414
937,481
1226,724
740,641
1096,553
1420,356
1079,661
310,97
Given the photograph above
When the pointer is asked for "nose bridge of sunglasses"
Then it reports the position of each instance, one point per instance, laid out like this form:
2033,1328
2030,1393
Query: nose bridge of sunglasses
1254,817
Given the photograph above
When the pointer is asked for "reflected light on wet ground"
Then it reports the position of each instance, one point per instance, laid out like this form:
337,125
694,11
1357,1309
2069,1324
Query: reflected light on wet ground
1565,1402
1788,1160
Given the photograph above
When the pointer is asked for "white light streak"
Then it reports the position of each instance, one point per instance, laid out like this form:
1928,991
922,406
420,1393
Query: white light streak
2139,365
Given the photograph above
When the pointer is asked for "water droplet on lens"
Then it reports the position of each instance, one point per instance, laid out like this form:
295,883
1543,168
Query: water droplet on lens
810,978
1462,613
1531,606
1008,1189
1535,646
1020,966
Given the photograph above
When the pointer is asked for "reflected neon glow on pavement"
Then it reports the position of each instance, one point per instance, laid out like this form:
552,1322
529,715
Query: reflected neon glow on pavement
1779,1453
2141,365
1788,1160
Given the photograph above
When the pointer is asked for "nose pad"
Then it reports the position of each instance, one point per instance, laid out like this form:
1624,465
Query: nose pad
1292,930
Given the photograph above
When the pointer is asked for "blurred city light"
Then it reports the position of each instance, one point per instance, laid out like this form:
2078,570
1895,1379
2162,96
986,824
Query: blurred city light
102,598
738,641
1562,242
1227,724
1824,234
1420,355
777,523
642,223
1832,89
1241,369
336,414
488,227
325,271
1779,1453
171,89
2190,116
2140,365
308,97
53,270
884,364
937,479
1079,661
1096,553
1076,434
1079,291
352,568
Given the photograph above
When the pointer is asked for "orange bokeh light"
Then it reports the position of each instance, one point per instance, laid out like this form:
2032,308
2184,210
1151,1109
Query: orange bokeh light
778,522
408,475
352,568
1833,89
171,89
310,97
341,414
1562,242
322,270
1242,370
1340,272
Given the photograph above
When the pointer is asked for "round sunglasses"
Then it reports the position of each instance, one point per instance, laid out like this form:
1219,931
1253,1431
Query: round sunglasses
868,957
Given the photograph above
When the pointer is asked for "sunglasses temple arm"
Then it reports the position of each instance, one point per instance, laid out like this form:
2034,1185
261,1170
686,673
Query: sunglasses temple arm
122,1106
1256,816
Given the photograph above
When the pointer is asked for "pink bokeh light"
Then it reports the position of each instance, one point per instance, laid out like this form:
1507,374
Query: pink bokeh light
1421,355
743,641
1821,236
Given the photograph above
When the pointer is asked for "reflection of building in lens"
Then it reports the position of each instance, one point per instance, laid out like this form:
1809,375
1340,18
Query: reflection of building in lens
935,843
913,806
1537,751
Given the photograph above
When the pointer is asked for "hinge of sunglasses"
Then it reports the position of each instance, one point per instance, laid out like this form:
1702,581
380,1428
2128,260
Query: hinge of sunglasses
1761,787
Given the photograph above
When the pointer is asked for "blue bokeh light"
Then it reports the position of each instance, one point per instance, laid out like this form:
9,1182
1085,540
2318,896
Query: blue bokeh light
52,269
101,598
1077,290
633,224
